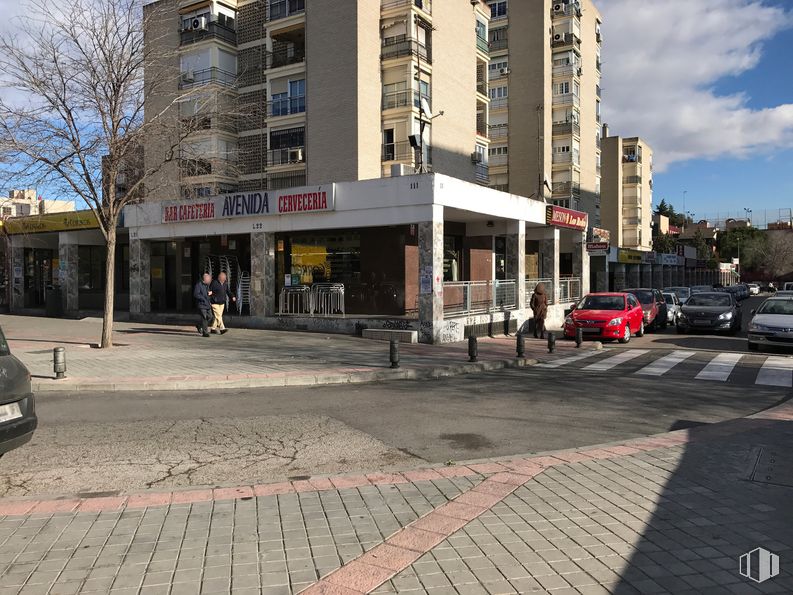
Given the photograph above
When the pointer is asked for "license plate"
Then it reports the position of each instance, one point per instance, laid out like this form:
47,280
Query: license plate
591,331
10,412
702,323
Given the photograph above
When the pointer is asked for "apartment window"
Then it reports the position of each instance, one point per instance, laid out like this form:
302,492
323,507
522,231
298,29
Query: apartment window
498,9
280,104
389,146
497,67
499,92
7,211
496,151
424,93
91,267
297,96
481,30
562,149
498,38
288,138
561,88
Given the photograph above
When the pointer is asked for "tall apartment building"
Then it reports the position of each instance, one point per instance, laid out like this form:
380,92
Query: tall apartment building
544,92
21,203
285,93
627,191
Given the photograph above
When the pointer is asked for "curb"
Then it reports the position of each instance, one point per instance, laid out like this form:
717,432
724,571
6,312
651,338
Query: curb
280,381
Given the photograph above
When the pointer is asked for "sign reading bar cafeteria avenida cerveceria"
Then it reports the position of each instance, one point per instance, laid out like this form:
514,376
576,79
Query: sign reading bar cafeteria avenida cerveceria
291,201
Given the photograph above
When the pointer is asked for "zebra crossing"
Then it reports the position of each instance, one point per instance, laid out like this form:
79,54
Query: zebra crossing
735,368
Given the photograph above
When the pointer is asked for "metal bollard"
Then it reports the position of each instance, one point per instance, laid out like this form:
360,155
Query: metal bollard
393,353
521,345
59,362
551,342
473,349
579,336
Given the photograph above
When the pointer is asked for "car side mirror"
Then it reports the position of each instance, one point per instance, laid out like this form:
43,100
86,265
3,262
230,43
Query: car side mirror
753,312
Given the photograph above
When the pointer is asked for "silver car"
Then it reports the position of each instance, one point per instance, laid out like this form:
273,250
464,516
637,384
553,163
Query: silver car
772,324
17,409
672,307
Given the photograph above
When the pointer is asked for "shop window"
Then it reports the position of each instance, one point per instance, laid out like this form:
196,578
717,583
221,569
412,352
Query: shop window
452,258
501,258
91,267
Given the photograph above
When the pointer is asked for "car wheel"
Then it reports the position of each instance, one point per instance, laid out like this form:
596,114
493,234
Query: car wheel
626,335
753,346
640,332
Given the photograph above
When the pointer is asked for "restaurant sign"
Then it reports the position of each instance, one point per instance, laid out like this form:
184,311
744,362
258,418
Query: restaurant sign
597,247
625,256
68,221
314,199
561,217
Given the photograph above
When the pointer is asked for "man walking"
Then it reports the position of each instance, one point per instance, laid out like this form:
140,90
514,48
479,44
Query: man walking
220,295
202,294
539,307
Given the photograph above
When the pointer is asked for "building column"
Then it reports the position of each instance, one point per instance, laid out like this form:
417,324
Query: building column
646,275
263,285
17,276
67,275
658,276
516,260
431,277
669,276
139,275
581,264
549,248
620,277
634,275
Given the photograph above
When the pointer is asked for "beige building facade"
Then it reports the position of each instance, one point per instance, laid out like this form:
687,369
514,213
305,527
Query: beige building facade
627,183
272,94
544,93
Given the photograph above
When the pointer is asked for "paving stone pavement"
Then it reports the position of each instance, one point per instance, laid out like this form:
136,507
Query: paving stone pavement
664,514
161,357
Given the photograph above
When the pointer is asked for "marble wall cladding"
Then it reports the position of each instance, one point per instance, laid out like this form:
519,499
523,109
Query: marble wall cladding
17,279
67,276
658,276
633,275
549,248
620,276
430,281
647,275
263,286
581,266
516,264
139,276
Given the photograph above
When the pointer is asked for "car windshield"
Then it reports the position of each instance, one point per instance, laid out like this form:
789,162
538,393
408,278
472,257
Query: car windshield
669,298
4,350
682,292
603,302
777,307
709,299
644,296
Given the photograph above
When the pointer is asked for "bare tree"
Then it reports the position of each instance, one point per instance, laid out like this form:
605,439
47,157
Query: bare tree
72,115
778,258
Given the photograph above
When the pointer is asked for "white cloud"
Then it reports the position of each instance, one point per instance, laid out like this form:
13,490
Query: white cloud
660,62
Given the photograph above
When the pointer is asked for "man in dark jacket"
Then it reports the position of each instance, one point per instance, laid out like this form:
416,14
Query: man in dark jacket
220,296
539,307
203,294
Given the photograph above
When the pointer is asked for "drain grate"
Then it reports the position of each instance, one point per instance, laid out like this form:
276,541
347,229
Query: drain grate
773,467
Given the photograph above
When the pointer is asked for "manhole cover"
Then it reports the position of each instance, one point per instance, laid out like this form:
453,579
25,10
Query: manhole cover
773,467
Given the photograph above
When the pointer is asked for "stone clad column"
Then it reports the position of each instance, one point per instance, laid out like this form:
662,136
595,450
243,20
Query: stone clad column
647,275
139,275
581,263
430,236
67,275
634,275
17,279
516,261
549,248
263,299
620,277
668,276
658,276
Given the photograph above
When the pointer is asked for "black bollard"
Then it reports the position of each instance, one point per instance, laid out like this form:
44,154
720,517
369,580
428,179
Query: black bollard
59,362
579,336
393,354
551,342
521,345
473,349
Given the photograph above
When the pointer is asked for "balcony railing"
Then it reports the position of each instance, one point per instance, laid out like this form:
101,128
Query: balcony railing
499,103
566,128
200,122
531,285
632,158
631,179
194,78
213,30
598,141
566,190
285,57
194,167
563,39
399,48
481,125
567,99
425,5
286,156
597,91
569,289
281,9
404,98
498,131
481,87
482,45
567,70
497,45
482,172
286,106
400,151
461,298
498,160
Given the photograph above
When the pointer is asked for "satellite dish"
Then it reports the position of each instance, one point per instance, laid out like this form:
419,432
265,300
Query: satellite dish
425,107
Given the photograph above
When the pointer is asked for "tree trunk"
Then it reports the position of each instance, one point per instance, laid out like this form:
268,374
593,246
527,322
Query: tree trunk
110,287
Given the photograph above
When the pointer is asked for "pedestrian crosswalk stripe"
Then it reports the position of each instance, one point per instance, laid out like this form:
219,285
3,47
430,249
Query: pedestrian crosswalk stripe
661,366
776,371
615,360
720,367
568,360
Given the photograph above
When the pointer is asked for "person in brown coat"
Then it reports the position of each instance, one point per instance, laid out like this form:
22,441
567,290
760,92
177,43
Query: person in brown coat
539,306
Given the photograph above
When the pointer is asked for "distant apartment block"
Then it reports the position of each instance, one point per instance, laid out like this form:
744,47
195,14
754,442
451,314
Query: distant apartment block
21,203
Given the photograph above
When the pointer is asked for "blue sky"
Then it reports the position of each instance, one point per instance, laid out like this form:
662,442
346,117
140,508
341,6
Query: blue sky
709,85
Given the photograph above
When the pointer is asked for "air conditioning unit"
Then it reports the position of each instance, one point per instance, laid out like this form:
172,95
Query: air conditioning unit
188,76
476,157
295,155
503,71
558,8
580,71
198,24
558,36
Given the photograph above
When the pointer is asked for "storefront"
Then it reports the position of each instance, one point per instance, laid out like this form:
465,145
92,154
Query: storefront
427,253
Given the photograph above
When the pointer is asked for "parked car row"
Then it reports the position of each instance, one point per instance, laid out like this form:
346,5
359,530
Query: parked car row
772,323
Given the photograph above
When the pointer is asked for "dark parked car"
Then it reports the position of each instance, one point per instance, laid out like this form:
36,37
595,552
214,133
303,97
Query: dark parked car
710,311
17,409
654,306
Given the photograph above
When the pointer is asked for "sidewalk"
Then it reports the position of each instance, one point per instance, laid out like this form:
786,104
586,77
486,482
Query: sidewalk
666,514
160,357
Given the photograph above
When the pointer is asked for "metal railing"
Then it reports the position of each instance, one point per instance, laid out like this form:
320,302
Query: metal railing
401,151
569,289
286,106
193,78
479,297
498,131
425,5
212,121
319,299
566,189
482,45
398,47
564,128
567,99
295,301
497,45
499,103
285,57
280,9
531,284
481,125
286,156
403,98
213,30
482,172
481,87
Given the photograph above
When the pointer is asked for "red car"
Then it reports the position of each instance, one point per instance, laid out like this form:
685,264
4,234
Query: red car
607,316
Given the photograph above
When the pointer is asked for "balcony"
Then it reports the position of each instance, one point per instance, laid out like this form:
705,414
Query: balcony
481,125
401,151
399,47
566,128
631,158
482,45
498,160
425,5
482,173
481,87
567,99
567,70
598,64
195,167
286,106
499,103
598,141
287,156
497,45
568,10
631,179
195,78
402,98
498,131
218,121
597,91
281,9
562,158
559,40
213,30
563,190
285,57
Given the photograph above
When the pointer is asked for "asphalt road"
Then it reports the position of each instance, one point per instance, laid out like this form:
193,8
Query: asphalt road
128,442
